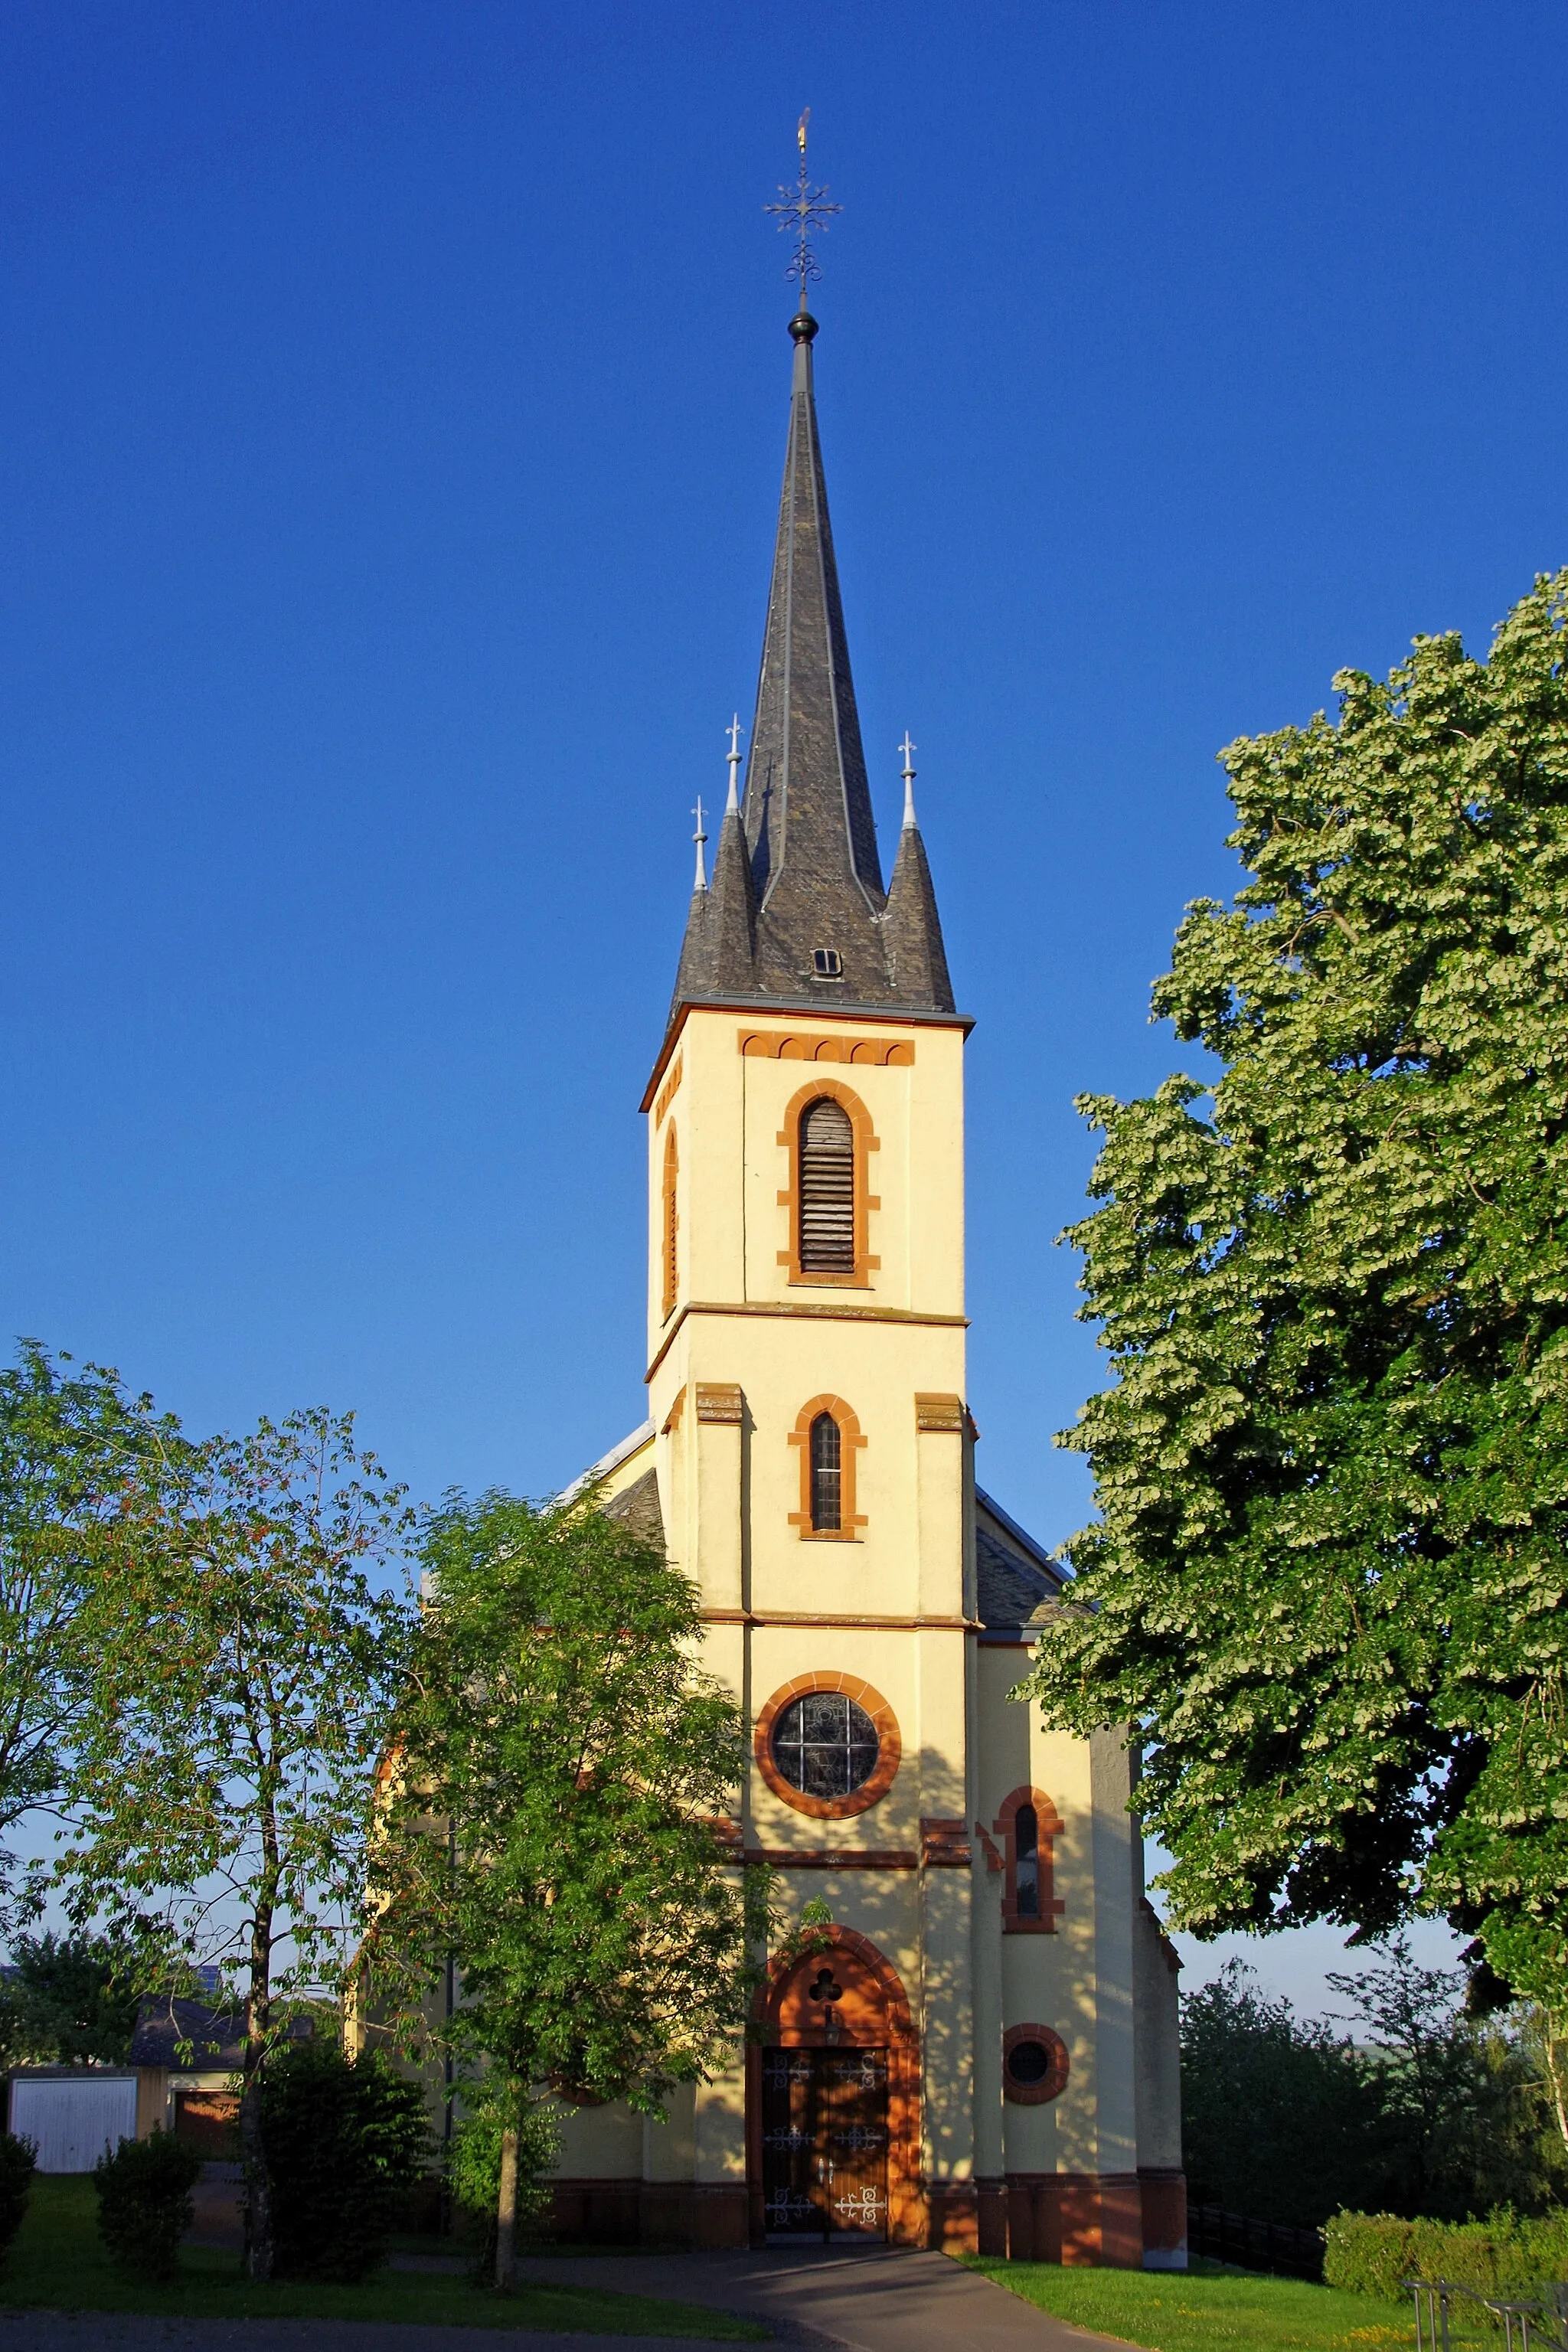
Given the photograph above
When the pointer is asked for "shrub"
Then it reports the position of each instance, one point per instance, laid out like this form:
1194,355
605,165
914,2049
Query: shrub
1371,2252
17,2158
474,2176
145,2204
345,2141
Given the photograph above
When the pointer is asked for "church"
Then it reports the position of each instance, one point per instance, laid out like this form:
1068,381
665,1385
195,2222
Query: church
983,2055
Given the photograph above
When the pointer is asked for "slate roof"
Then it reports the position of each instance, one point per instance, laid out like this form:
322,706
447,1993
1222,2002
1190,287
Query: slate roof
639,1505
216,2036
1018,1583
797,866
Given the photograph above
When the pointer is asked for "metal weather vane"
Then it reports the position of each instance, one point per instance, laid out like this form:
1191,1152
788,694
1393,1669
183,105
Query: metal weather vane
802,212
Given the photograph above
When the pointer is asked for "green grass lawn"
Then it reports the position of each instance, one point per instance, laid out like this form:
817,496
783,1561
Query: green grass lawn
58,2263
1203,2311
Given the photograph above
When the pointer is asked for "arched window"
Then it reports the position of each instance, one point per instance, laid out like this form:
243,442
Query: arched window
1029,1825
826,1434
671,1222
827,1459
1026,1862
827,1189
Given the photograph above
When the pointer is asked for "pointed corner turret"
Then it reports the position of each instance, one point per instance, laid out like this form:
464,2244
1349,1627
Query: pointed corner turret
732,911
696,955
917,958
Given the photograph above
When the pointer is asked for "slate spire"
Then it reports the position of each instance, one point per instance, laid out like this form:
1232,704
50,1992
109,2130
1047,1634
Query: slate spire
808,921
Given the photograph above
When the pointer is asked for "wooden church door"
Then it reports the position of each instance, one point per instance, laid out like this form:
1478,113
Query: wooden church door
833,2121
824,2142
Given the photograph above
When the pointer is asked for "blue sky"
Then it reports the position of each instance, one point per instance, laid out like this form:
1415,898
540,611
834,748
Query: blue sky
393,409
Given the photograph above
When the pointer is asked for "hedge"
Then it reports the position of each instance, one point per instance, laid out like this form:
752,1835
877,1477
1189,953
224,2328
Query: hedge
1371,2252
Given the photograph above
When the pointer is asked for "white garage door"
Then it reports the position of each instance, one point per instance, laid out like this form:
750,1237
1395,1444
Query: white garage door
73,2123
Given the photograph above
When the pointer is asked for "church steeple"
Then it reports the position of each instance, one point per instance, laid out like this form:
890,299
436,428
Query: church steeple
809,922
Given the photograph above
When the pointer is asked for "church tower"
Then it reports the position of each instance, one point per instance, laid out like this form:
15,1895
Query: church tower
984,2055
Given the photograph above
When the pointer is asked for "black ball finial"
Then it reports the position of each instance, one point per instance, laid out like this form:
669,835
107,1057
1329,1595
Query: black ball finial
802,326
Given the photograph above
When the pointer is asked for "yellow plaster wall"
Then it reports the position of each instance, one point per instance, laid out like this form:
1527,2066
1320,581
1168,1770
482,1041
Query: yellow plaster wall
777,1602
1080,1980
728,1111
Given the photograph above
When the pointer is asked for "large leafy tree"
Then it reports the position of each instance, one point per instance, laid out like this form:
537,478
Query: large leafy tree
240,1702
73,1999
1327,1584
560,1769
84,1468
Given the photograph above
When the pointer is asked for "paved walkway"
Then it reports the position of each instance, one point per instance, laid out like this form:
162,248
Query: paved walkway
102,2331
880,2299
873,2301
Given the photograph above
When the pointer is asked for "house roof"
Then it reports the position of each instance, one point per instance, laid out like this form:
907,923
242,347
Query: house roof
194,2037
212,2037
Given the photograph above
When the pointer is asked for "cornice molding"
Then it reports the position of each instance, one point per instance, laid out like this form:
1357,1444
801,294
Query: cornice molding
846,1312
786,1007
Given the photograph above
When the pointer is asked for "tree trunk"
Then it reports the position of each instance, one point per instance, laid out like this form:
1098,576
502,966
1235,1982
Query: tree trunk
253,2153
258,2187
1554,2048
506,2213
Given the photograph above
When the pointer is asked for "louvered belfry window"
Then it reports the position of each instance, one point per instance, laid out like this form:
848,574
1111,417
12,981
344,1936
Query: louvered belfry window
827,1189
825,1475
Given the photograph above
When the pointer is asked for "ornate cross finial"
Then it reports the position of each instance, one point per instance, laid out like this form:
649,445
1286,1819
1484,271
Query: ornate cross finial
801,213
733,757
908,750
700,838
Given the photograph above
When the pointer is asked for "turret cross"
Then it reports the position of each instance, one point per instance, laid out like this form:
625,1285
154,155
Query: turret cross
733,757
909,751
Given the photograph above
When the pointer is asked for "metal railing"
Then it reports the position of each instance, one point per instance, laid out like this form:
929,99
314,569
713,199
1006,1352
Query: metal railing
1540,2320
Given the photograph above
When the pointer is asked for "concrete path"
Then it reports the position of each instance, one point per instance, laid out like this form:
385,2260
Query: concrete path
879,2299
104,2331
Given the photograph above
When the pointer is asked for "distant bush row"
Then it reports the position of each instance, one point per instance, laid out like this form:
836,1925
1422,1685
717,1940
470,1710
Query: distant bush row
1508,2255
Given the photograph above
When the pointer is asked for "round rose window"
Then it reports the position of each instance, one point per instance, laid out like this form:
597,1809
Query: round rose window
824,1745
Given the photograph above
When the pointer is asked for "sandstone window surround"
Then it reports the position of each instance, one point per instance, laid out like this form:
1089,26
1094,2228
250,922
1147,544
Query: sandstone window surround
809,1441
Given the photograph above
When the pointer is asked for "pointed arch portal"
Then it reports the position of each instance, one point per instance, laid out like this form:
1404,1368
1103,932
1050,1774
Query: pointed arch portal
833,2132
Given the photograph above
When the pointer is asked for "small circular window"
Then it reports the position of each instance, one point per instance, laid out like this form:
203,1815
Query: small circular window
1035,2064
824,1746
1029,2061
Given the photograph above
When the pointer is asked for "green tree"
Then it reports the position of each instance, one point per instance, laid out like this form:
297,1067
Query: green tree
75,1997
83,1465
1459,2100
1424,2111
1279,2113
560,1764
1327,1584
225,1783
